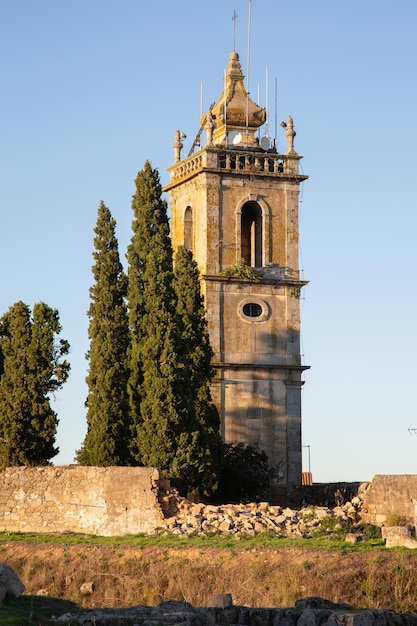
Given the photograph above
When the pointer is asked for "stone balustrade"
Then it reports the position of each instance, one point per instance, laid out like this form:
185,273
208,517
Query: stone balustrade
228,160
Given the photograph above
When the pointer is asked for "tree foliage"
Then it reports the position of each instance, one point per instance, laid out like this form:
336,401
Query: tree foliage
245,475
32,368
157,385
163,403
203,474
150,234
107,441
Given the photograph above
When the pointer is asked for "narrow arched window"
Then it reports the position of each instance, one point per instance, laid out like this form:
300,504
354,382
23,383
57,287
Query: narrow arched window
188,228
251,234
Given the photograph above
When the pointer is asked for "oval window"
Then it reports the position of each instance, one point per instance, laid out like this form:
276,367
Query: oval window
252,309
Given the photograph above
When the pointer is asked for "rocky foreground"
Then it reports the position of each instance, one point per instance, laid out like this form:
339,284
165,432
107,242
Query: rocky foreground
306,612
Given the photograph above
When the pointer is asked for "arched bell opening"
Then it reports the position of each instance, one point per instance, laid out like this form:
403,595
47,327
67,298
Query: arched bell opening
188,228
251,234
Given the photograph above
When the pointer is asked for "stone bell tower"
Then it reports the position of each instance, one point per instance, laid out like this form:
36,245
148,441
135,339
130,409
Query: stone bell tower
234,204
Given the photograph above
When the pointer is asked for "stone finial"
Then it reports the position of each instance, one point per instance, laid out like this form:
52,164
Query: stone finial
209,126
290,134
177,145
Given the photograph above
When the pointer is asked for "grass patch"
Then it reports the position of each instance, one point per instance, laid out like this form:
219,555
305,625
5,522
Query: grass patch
327,539
31,610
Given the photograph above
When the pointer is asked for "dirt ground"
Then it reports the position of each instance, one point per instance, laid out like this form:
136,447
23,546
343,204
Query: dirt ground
125,575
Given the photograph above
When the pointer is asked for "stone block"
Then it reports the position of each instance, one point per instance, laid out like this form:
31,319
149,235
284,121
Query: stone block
399,536
309,617
354,538
262,617
10,582
285,617
220,600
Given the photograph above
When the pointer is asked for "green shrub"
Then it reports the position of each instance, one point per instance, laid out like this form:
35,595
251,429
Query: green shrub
369,530
396,519
242,270
245,476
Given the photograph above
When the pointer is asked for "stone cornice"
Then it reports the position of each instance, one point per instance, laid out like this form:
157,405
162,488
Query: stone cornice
263,366
285,280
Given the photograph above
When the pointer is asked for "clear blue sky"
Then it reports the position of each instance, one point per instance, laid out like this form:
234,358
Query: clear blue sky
90,89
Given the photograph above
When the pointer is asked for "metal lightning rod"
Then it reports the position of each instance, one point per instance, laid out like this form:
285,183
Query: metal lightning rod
248,69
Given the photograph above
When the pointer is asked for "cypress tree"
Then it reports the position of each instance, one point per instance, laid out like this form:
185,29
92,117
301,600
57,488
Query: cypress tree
162,409
195,340
164,406
150,232
108,436
32,367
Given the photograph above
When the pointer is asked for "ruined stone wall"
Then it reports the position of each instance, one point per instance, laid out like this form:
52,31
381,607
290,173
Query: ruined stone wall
390,495
114,501
386,496
107,501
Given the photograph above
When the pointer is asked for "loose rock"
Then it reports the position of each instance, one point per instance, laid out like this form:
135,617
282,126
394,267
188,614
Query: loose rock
188,518
10,582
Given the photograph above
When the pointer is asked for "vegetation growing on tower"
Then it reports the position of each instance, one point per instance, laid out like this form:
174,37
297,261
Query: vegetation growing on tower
242,270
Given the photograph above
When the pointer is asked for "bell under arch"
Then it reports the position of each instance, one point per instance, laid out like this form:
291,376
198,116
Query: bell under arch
251,235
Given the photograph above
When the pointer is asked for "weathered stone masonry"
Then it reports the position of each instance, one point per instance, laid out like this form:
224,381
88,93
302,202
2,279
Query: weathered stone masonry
116,501
107,501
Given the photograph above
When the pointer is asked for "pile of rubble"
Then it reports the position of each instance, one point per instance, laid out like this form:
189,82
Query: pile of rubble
184,518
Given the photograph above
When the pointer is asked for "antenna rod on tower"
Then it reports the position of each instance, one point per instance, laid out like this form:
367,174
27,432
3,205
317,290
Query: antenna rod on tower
201,100
248,68
259,103
276,110
225,104
266,104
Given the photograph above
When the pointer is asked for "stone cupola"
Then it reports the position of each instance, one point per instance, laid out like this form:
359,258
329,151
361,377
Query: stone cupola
234,111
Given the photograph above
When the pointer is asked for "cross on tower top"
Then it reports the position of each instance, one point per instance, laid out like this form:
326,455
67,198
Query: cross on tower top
234,18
